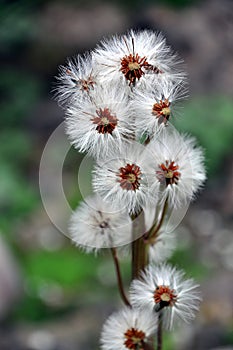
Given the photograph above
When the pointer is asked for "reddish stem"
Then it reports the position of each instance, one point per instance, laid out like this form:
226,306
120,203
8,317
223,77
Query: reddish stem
139,248
119,278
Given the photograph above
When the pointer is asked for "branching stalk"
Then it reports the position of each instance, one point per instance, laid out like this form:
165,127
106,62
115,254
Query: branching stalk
151,235
119,278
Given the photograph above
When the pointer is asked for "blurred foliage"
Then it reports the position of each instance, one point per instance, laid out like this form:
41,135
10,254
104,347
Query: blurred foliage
19,91
174,3
134,5
229,335
211,121
16,146
186,260
73,274
17,198
67,267
17,18
17,25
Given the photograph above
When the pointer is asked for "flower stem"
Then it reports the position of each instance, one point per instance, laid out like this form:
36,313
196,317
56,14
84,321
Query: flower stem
119,278
148,346
160,331
151,235
139,248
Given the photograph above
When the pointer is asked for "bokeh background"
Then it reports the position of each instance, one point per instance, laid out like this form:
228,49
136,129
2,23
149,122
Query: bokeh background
53,297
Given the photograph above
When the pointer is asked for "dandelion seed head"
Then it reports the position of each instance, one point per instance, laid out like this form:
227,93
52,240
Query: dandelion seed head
128,329
164,288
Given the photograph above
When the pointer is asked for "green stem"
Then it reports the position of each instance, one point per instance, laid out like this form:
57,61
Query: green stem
119,278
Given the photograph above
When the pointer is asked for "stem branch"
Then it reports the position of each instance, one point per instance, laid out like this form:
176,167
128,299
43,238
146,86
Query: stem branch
119,278
151,235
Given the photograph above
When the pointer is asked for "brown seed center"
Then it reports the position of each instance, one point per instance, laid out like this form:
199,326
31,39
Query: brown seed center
105,121
129,177
135,339
162,110
133,65
168,173
164,296
166,111
84,84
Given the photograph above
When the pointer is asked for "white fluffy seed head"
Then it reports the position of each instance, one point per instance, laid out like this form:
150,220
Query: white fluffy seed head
162,247
113,334
178,167
95,225
76,80
164,288
125,179
146,51
99,124
154,104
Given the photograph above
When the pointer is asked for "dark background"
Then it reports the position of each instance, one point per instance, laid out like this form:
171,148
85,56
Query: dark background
53,297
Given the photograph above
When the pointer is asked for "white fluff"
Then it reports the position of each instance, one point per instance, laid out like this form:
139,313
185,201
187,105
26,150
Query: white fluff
106,180
181,149
114,329
95,225
147,95
109,54
186,291
78,71
83,132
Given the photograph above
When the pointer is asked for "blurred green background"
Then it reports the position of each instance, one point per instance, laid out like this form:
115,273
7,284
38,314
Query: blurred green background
51,295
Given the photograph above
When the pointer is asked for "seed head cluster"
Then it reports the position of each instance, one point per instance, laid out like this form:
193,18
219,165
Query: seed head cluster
120,101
